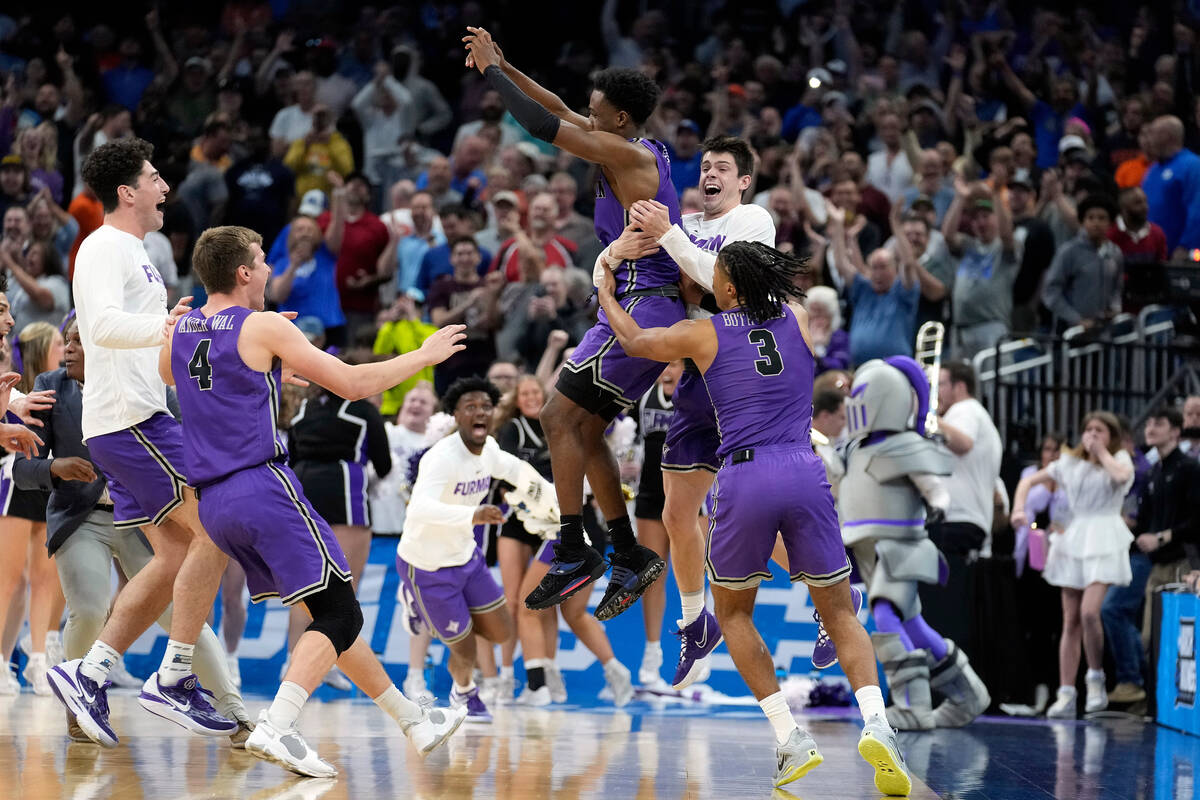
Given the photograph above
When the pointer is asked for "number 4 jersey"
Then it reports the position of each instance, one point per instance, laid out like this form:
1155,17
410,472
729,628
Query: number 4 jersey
760,382
230,412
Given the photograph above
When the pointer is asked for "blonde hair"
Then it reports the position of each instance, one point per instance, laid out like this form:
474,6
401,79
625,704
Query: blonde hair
48,155
508,409
1110,421
35,341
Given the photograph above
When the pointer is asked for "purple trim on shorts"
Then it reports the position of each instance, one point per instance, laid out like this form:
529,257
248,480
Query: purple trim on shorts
904,522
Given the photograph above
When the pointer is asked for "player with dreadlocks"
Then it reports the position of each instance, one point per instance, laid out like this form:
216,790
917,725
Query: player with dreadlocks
758,366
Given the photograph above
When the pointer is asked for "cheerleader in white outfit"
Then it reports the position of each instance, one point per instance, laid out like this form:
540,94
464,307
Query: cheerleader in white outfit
1090,555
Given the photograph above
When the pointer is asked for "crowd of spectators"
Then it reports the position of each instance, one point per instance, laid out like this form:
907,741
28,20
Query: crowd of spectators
997,169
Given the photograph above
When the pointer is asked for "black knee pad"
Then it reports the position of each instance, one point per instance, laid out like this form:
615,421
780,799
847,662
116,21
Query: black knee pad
336,614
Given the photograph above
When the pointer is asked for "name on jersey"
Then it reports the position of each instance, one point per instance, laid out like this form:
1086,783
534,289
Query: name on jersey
217,322
713,244
477,486
738,319
656,420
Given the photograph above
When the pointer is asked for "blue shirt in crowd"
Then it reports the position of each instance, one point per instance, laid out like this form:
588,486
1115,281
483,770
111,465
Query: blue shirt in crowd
883,324
1172,190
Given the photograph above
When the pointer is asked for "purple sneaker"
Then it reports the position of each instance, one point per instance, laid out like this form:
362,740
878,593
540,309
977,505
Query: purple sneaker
825,654
84,698
187,705
697,641
476,710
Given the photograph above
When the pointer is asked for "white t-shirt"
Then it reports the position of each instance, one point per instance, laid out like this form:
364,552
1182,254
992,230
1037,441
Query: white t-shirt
121,303
696,253
451,483
290,123
389,495
162,256
973,481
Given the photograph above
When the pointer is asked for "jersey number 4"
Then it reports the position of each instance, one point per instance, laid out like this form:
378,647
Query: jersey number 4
771,362
199,367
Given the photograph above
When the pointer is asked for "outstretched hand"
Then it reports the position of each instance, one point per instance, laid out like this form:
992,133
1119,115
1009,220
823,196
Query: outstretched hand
482,51
444,343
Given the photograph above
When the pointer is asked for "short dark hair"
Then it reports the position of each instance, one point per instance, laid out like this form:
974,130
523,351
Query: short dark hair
628,90
827,401
219,252
1102,201
466,386
114,164
452,210
734,146
457,240
1171,414
961,372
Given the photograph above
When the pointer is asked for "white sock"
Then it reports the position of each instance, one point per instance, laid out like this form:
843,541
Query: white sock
693,604
176,664
1095,675
1066,690
285,708
399,707
775,706
470,687
652,657
506,672
99,660
53,637
870,701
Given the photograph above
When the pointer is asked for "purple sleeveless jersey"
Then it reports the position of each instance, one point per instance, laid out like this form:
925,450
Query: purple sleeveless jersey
229,410
611,218
761,382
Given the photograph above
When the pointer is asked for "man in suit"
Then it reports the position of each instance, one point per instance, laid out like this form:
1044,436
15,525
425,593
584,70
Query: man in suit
83,541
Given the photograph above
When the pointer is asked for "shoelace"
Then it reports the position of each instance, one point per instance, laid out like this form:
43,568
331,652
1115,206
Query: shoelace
621,575
822,635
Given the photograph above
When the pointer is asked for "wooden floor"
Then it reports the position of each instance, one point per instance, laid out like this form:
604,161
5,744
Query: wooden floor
645,752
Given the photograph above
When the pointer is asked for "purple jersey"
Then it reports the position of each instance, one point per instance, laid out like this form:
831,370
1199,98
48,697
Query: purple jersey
230,412
657,269
760,382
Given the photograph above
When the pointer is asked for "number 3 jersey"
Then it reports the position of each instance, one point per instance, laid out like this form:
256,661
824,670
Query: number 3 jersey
760,382
230,412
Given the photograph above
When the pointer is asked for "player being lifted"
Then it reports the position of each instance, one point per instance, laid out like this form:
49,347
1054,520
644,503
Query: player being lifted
600,380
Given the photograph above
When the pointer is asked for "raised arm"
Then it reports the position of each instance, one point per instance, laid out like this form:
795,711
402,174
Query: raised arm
557,126
1015,84
266,335
905,258
837,240
953,218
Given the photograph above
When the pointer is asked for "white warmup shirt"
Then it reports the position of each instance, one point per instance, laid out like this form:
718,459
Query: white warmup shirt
121,304
451,483
972,483
389,495
695,246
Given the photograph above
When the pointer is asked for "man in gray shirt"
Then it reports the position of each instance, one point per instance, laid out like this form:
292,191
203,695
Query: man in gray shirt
987,268
1083,285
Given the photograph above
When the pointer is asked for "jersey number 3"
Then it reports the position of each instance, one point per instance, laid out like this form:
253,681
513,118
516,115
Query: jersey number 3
771,362
200,369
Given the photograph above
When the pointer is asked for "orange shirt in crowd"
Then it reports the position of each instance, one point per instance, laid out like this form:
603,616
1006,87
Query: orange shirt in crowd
89,213
1131,171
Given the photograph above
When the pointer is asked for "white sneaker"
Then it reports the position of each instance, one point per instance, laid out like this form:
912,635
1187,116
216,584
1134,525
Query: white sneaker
414,689
556,684
235,669
9,685
35,674
337,680
616,675
1064,706
435,727
506,688
489,690
288,749
535,697
1097,695
121,678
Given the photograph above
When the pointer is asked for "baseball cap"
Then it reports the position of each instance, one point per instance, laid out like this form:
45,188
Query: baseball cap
688,125
922,201
11,160
312,204
198,61
505,196
1078,154
1021,177
737,89
1071,142
925,105
817,77
983,204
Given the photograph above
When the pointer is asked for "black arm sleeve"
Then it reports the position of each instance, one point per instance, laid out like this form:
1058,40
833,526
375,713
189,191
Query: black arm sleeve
507,437
527,111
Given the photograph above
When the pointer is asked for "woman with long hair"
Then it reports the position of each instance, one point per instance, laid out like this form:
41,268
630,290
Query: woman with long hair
38,148
1090,555
518,431
23,525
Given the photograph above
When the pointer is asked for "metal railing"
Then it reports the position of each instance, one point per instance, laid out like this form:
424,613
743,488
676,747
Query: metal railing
1034,385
